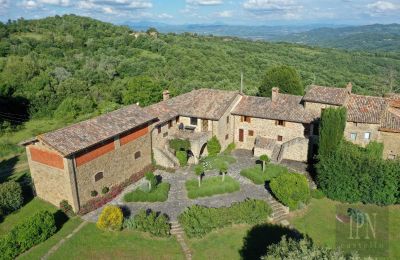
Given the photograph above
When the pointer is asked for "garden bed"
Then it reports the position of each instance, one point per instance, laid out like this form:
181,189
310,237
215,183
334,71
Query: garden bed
160,193
257,176
211,186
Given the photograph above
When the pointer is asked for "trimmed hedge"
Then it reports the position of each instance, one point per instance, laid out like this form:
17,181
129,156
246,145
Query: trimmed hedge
211,186
160,193
31,232
182,158
179,144
258,176
111,218
149,221
11,197
197,221
213,146
291,189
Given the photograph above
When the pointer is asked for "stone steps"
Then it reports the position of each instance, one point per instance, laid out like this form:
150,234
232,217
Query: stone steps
179,233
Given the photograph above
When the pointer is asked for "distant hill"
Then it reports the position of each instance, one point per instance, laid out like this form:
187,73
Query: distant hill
375,37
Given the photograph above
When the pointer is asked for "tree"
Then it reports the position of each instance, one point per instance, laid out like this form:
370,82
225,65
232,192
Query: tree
223,168
333,123
152,180
199,170
213,146
286,78
264,158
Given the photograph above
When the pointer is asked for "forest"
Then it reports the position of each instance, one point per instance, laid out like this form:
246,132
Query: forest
70,68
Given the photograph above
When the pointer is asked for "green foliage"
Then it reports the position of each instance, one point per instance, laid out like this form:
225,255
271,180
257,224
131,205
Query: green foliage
11,197
351,174
151,178
215,162
265,159
111,218
286,78
229,149
304,249
197,221
333,123
317,194
182,158
199,169
375,150
179,144
29,233
357,215
160,193
213,146
71,108
211,186
258,176
94,193
66,208
152,222
291,189
105,190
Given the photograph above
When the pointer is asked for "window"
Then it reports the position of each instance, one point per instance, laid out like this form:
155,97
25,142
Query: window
98,176
226,137
280,138
367,135
227,119
177,119
169,123
193,121
353,136
251,133
165,134
159,129
137,155
245,119
280,122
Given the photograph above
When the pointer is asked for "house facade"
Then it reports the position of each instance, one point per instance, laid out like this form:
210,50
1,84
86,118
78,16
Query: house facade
73,162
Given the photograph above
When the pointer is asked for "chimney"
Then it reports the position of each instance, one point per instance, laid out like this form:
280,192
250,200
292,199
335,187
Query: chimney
275,92
349,87
165,95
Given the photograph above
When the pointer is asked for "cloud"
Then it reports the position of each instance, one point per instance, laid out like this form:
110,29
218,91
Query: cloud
3,3
205,2
225,14
29,4
383,7
114,6
55,2
165,16
268,5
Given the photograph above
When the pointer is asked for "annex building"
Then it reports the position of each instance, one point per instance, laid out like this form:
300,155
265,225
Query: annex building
72,162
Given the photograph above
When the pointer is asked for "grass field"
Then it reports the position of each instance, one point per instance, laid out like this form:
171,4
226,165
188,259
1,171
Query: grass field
259,177
211,186
91,243
160,193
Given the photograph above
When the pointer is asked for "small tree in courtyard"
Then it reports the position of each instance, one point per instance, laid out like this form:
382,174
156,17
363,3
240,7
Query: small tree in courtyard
223,168
264,158
213,146
199,170
152,180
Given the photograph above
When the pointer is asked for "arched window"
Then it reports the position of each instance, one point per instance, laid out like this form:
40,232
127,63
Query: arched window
98,176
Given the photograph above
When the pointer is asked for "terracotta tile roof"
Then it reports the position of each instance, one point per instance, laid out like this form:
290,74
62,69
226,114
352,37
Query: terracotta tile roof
391,120
162,111
77,137
365,109
202,103
327,95
285,107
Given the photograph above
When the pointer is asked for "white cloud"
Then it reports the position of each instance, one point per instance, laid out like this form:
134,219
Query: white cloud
225,14
268,5
3,4
29,4
165,16
205,2
55,2
107,10
109,6
383,7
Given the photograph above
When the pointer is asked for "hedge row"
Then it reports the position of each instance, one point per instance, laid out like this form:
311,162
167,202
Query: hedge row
149,221
199,220
22,237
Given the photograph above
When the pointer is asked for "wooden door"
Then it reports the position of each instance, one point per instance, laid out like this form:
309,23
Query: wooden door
241,133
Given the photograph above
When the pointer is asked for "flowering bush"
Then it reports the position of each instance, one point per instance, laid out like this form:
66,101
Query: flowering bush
111,218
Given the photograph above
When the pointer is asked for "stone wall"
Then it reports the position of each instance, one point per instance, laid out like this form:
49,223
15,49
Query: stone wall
160,139
296,150
360,129
51,183
316,108
266,128
116,166
391,142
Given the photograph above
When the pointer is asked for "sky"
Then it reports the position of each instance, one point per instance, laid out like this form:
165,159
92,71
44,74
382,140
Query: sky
244,12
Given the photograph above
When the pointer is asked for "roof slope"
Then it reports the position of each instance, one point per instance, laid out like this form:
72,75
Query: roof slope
365,109
327,95
285,107
85,134
391,120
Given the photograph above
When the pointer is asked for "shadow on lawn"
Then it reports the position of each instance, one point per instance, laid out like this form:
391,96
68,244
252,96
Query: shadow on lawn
261,236
7,168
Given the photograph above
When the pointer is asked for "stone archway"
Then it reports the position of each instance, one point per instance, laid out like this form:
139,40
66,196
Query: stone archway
203,150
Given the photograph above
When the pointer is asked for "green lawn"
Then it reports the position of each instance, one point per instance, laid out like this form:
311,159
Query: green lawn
160,193
318,221
257,176
211,186
92,243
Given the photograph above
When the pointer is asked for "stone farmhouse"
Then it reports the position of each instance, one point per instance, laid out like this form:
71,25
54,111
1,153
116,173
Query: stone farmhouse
70,163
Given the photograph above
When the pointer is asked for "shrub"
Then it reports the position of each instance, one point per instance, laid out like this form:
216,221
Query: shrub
94,193
110,218
286,78
317,194
179,144
182,158
213,146
66,208
11,197
257,176
333,123
160,193
229,149
357,215
199,220
31,232
150,221
105,190
291,189
151,178
265,159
